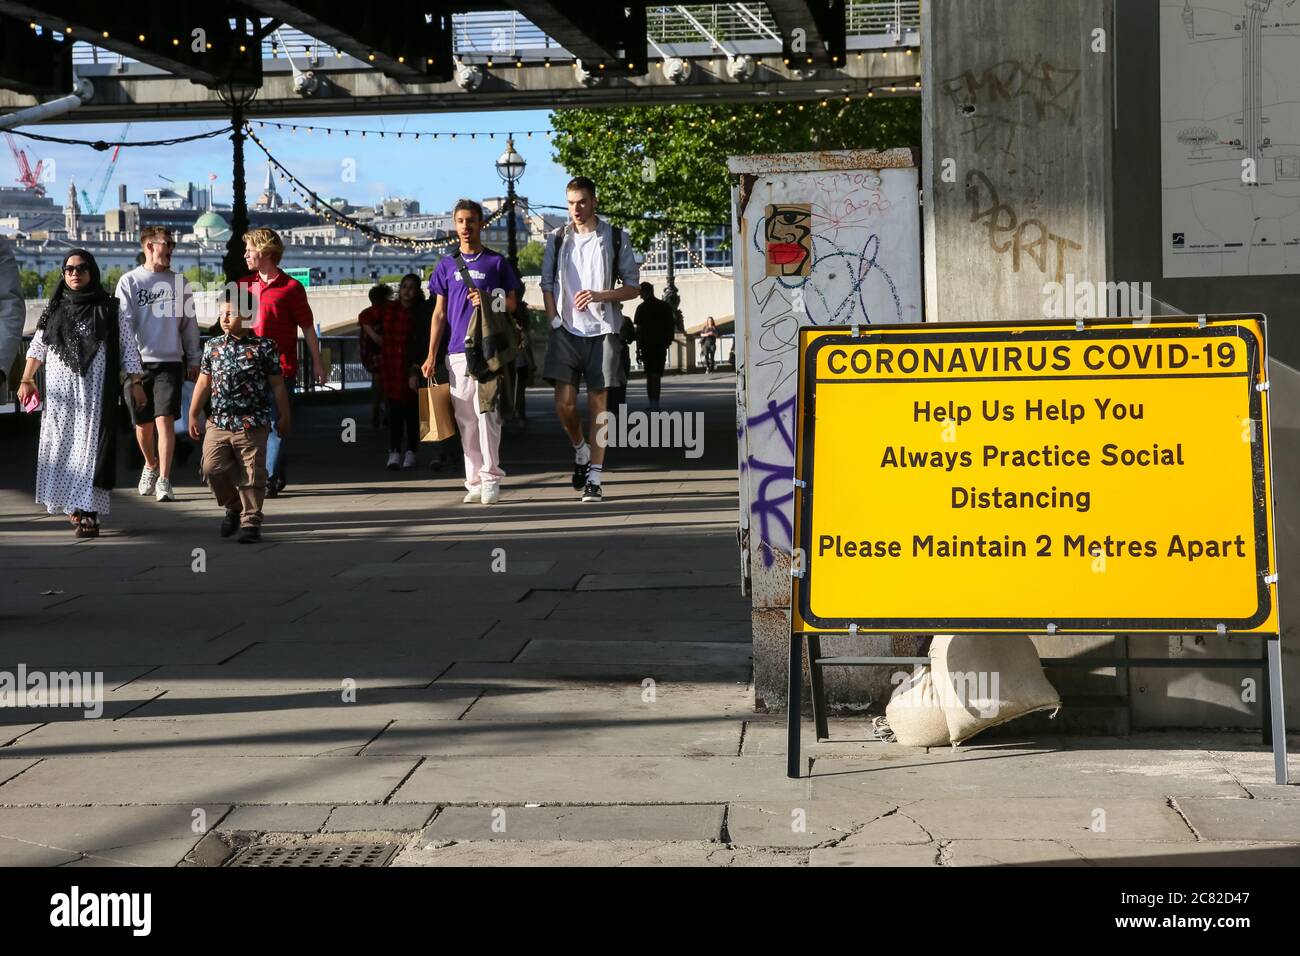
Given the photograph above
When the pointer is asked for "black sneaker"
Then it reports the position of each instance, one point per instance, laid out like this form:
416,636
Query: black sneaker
230,522
250,535
579,476
591,492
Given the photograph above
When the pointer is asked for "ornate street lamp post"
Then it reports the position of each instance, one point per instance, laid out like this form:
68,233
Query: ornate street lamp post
510,167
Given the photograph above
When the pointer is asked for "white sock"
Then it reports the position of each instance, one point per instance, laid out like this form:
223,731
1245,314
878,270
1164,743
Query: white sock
582,453
593,473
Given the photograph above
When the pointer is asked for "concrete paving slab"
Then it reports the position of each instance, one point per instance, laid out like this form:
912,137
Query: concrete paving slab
574,735
596,630
640,652
115,836
12,767
1062,819
894,827
11,732
648,579
1148,853
678,823
596,780
1010,853
559,700
1252,766
439,571
128,779
592,854
795,823
290,733
605,671
381,817
1097,773
849,738
383,704
883,854
290,818
1271,820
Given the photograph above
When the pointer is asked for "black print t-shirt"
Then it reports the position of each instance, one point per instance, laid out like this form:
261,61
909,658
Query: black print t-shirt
241,370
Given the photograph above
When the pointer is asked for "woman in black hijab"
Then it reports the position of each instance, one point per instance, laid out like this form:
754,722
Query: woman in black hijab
85,349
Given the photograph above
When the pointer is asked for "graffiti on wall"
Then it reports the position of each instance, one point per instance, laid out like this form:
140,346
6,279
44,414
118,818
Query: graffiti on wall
997,103
848,276
1008,233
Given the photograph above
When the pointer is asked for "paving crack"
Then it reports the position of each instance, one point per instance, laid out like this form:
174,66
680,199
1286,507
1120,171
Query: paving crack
472,703
1173,805
9,780
740,747
408,776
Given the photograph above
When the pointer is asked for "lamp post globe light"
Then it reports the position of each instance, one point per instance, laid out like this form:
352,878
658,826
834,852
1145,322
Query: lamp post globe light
510,167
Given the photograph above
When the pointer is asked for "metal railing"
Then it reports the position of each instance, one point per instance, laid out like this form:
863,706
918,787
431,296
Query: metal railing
508,33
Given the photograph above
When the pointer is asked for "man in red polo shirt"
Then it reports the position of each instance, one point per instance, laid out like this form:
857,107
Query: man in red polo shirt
282,310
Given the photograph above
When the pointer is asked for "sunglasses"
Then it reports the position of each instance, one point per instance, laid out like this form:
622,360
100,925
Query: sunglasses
168,244
73,270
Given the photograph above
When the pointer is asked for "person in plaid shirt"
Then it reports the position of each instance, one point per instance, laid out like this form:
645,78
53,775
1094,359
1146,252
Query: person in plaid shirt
237,371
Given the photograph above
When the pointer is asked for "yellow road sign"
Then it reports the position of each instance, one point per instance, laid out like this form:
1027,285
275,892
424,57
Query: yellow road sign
1038,478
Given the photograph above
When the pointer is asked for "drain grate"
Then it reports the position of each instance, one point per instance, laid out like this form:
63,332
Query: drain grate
322,854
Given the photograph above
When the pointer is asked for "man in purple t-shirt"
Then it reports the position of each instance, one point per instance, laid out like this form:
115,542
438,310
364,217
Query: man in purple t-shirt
493,275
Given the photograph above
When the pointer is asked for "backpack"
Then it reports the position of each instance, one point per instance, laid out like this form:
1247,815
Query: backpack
559,246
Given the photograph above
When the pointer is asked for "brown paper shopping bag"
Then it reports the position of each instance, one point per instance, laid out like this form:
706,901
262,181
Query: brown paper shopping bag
437,421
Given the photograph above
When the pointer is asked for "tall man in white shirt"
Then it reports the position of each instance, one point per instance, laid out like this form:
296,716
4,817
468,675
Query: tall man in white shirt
156,301
582,266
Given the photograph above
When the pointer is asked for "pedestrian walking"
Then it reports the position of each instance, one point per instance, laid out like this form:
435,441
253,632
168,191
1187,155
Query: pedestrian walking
157,304
654,333
240,374
582,264
85,348
525,363
709,336
400,357
474,279
281,310
370,322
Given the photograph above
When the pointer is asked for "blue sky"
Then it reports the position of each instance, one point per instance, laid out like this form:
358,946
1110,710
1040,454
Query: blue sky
435,172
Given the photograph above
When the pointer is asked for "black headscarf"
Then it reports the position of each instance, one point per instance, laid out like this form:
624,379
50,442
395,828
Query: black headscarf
74,324
76,321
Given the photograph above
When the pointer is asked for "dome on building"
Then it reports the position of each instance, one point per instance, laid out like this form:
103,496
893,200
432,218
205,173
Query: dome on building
210,226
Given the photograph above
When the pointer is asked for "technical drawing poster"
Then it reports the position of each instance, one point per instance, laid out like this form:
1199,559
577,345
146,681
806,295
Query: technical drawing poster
1230,137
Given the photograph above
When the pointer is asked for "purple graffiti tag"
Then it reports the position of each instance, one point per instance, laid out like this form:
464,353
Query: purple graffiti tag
768,504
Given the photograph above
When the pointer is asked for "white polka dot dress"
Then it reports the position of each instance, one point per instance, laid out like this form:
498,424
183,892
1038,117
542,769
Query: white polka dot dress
65,464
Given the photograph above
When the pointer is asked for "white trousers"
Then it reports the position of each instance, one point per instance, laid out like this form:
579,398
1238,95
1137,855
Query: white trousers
480,434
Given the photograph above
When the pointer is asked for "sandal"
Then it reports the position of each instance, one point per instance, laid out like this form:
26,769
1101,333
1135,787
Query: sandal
88,526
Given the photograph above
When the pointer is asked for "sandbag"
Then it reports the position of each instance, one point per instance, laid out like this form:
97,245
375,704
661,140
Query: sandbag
985,681
914,713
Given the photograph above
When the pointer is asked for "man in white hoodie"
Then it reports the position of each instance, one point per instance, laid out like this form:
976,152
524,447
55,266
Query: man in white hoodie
156,301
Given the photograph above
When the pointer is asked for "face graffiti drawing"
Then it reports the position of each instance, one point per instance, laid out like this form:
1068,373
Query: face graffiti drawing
789,239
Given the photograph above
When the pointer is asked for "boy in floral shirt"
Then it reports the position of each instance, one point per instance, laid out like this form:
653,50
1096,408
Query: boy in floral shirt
236,371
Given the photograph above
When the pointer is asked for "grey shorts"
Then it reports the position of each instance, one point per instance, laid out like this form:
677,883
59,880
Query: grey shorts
571,358
162,383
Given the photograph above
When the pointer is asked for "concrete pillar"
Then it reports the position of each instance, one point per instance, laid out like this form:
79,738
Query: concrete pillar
1018,109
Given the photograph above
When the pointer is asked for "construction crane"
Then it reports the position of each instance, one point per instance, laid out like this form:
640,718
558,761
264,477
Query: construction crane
93,207
28,177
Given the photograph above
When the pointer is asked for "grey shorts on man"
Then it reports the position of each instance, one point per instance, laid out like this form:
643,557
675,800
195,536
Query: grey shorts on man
597,358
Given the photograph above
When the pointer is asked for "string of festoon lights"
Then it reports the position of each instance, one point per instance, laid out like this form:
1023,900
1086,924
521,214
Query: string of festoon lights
825,102
341,219
316,129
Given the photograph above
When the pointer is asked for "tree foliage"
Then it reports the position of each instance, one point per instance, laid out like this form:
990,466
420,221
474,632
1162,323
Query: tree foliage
530,259
670,162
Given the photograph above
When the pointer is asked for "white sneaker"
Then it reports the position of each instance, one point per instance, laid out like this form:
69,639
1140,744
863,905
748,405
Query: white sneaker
473,495
491,494
408,460
394,461
148,481
163,490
